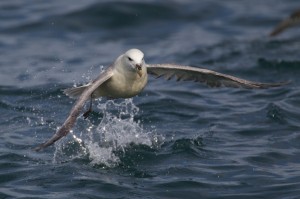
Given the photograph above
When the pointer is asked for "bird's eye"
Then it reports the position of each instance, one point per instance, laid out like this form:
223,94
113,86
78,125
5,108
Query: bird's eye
130,59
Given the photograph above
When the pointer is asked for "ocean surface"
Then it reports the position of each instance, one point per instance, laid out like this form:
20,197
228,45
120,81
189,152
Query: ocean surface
175,139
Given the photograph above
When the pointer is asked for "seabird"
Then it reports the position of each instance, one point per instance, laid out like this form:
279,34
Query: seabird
292,20
128,76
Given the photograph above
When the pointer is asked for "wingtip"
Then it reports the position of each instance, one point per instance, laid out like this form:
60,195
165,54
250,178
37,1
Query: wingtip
279,84
39,148
43,146
277,30
274,33
286,83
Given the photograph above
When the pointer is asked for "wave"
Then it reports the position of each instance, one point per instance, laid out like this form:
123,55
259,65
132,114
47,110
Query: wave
98,16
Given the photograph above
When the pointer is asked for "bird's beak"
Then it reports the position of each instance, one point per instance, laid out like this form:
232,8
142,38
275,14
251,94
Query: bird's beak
139,69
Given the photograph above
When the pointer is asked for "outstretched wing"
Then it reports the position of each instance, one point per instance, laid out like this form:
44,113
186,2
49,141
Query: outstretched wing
209,77
70,121
293,20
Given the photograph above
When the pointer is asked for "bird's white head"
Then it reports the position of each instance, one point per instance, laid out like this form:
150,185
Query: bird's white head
134,60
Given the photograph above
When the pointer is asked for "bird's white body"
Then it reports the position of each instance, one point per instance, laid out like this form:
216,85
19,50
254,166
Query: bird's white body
124,83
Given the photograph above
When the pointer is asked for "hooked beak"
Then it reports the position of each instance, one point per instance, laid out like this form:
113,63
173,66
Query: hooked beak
139,69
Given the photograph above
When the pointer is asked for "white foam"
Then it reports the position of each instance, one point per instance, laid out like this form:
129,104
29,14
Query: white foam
116,131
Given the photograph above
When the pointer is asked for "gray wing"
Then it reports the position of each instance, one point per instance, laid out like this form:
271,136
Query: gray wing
75,111
293,20
209,77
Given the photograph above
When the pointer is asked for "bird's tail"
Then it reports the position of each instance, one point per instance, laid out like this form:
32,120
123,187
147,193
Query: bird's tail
75,92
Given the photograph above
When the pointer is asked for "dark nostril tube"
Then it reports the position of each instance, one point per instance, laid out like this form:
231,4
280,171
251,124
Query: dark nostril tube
138,67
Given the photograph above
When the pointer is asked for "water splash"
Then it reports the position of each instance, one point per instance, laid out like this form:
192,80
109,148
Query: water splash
104,143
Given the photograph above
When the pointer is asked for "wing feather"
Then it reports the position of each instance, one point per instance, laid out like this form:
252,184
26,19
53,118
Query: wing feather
75,111
209,77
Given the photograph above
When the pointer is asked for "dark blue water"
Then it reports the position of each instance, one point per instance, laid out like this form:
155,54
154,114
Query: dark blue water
174,140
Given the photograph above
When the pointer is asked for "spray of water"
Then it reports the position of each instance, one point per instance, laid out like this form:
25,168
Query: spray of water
116,131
